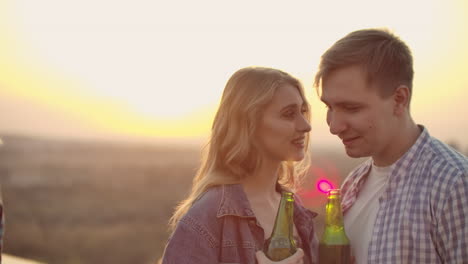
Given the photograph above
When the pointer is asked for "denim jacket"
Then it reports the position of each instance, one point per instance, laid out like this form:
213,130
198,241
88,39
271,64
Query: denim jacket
221,227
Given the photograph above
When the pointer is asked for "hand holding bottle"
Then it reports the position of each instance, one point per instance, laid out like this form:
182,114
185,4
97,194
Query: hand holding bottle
296,258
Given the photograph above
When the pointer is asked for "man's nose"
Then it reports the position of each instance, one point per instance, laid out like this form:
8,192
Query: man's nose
335,122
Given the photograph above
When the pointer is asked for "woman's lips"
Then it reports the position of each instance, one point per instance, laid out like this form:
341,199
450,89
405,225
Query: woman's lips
299,142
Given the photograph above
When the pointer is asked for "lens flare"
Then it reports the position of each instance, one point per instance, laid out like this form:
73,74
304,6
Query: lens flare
324,186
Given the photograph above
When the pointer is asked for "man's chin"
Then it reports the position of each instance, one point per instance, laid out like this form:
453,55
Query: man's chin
353,153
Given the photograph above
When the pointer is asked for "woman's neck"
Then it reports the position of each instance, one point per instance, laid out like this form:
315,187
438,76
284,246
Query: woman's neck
262,183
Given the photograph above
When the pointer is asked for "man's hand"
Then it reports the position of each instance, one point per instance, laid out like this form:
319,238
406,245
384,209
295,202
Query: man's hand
297,258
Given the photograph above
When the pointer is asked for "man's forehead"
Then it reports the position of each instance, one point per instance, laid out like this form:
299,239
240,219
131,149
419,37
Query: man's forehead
348,93
344,96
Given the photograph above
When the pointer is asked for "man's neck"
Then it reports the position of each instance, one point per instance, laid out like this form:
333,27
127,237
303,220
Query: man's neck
403,140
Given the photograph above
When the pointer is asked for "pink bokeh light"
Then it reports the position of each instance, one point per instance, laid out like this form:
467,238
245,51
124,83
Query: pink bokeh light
323,175
324,185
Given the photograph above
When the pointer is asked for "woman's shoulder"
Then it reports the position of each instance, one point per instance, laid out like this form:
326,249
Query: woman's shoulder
200,224
207,204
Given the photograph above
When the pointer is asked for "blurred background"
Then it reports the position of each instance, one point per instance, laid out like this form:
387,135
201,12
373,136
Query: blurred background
105,106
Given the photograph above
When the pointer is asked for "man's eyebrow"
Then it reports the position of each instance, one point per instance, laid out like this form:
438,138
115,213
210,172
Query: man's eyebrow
342,103
348,103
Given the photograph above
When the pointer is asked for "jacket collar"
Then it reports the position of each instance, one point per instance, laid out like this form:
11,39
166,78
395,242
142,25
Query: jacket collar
234,202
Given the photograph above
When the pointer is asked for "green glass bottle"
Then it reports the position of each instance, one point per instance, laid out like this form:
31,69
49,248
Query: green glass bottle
281,244
334,247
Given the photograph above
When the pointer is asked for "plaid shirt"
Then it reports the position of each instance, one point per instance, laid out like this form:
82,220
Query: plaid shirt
423,211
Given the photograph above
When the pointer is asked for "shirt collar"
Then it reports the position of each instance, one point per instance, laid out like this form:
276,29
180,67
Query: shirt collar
358,177
404,161
407,159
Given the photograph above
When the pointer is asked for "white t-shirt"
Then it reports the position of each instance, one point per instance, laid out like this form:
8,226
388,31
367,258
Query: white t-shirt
360,218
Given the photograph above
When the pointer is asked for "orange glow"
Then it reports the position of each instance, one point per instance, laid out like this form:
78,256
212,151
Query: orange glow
150,70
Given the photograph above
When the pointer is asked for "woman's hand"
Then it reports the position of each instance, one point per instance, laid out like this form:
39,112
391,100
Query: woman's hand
297,258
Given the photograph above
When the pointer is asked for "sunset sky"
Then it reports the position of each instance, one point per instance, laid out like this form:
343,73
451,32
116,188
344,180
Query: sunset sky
154,70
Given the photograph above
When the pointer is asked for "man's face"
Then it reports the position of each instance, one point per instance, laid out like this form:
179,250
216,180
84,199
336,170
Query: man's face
357,114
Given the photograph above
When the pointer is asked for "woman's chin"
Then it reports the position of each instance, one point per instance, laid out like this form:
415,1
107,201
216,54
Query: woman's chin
297,158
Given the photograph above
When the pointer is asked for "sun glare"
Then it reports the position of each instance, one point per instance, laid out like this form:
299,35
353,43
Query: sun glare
145,68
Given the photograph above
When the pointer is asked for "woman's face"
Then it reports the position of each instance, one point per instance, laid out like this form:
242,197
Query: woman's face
283,126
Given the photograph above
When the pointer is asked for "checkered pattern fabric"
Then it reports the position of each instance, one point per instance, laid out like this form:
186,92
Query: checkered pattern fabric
423,212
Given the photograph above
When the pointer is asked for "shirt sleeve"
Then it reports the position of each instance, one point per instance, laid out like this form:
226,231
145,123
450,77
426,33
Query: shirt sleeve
190,244
453,225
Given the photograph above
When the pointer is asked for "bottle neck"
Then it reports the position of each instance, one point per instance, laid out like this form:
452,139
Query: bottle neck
284,218
334,233
333,214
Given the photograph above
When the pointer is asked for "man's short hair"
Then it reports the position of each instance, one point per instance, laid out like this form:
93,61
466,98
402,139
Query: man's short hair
386,60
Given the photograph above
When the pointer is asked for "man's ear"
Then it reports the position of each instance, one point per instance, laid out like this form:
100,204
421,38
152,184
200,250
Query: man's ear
401,98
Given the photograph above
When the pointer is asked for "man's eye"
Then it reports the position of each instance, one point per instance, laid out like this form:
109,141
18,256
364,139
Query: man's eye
289,114
352,108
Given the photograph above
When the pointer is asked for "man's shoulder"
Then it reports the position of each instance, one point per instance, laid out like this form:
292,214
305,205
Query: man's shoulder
442,154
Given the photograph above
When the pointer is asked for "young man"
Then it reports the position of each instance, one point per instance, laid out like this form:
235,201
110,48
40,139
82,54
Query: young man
409,202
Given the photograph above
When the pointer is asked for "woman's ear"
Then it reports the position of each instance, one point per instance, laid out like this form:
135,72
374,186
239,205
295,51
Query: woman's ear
401,98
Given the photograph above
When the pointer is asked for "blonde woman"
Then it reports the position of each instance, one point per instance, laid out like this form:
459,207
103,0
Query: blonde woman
257,148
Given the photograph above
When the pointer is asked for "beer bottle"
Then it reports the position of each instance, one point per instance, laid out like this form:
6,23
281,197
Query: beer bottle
281,244
334,247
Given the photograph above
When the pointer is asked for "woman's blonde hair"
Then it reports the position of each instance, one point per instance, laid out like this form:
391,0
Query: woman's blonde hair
231,153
